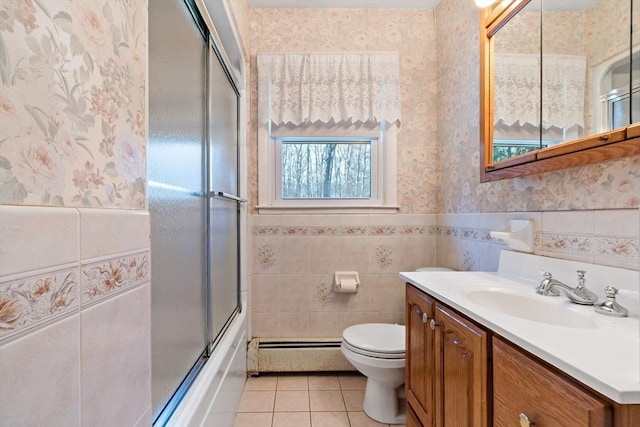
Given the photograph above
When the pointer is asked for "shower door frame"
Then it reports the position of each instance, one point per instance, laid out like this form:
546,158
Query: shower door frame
214,51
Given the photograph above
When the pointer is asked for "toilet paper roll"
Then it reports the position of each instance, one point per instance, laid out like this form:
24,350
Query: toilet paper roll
348,286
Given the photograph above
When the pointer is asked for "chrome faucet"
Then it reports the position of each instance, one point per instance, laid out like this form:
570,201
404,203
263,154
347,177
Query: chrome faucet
579,295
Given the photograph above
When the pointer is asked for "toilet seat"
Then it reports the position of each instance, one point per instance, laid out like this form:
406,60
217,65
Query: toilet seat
379,340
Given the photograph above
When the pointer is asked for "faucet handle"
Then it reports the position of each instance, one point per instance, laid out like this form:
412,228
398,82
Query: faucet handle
545,274
610,291
581,278
610,307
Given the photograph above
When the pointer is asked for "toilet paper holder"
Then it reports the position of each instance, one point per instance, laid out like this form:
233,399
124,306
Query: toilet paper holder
346,281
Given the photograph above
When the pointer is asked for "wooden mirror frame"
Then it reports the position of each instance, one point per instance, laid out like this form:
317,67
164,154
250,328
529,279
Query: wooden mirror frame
621,142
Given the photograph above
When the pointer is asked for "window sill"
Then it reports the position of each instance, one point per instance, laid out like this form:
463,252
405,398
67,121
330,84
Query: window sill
278,210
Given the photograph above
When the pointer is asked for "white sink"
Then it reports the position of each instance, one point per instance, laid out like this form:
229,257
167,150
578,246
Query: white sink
549,310
552,328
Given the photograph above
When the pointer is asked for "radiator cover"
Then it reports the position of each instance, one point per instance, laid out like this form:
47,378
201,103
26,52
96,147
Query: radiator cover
295,355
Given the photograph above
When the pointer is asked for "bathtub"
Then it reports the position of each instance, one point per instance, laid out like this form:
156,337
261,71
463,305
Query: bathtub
214,396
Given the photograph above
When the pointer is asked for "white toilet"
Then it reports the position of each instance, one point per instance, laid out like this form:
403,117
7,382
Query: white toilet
377,351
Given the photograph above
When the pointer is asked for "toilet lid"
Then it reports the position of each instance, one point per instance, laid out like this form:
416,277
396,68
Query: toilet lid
376,337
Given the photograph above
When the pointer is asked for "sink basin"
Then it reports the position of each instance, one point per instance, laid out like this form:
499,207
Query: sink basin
531,308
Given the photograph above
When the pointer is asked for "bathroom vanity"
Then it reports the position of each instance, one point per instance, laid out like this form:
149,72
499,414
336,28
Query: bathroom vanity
483,349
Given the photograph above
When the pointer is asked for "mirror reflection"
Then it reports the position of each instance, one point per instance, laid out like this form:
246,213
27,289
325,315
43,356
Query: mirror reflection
517,87
562,71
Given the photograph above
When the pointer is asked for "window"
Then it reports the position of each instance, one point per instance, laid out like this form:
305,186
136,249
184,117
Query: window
329,167
324,168
327,131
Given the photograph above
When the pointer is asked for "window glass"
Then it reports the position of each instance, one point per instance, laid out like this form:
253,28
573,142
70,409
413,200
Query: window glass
326,168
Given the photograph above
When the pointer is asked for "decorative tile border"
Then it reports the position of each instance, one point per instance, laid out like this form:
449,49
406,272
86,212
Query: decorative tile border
620,248
376,230
103,279
33,301
576,244
623,249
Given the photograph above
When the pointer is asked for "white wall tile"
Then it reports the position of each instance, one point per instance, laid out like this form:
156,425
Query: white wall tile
40,377
33,238
354,220
116,354
474,220
355,253
265,220
488,257
294,325
145,420
417,220
265,324
294,293
108,231
323,255
265,293
568,222
295,254
617,222
324,325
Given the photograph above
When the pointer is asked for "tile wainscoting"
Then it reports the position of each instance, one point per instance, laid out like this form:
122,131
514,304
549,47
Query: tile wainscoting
74,317
294,257
606,237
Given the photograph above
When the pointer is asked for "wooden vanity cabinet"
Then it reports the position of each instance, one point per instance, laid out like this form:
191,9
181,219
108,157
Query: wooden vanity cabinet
461,371
446,375
523,387
419,359
460,374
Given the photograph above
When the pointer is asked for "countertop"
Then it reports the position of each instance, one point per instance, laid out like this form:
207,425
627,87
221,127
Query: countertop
604,356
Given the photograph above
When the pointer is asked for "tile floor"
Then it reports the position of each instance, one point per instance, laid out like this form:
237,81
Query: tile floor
301,400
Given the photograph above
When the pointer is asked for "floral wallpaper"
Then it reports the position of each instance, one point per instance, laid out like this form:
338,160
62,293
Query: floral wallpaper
411,32
73,103
607,185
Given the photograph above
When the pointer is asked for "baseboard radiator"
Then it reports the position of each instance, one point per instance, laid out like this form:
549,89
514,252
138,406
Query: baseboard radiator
295,355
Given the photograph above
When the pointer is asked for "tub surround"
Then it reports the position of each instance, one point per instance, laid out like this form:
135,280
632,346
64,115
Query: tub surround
604,356
76,299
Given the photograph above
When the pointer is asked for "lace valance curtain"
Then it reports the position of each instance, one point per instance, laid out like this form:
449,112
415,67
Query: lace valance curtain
300,88
517,94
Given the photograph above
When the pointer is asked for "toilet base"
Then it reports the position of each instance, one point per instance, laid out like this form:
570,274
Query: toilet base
381,403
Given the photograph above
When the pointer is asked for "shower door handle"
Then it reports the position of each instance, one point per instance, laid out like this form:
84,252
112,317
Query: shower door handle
223,195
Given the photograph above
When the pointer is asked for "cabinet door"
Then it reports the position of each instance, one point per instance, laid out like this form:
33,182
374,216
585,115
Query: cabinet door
461,364
420,364
521,385
412,418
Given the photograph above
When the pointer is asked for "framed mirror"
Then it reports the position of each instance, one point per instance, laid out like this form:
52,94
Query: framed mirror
557,85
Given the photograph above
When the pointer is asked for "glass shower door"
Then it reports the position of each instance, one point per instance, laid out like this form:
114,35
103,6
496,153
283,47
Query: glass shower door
223,185
177,206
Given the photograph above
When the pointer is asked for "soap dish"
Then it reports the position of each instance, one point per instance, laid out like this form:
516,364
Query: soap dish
518,236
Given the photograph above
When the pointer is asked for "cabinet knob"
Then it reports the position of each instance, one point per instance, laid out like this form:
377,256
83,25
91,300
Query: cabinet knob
425,318
433,324
525,421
